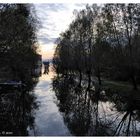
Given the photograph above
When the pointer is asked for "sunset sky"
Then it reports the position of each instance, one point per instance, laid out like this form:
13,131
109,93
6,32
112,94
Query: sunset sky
54,19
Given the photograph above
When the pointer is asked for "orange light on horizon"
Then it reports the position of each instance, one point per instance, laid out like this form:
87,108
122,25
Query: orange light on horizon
47,51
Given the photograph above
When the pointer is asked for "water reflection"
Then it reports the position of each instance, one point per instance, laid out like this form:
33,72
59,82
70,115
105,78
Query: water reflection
46,67
48,119
98,111
16,109
73,109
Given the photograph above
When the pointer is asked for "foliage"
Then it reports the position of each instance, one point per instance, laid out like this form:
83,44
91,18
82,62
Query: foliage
102,41
18,43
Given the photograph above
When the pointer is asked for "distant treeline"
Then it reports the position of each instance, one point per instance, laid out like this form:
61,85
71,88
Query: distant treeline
18,42
102,41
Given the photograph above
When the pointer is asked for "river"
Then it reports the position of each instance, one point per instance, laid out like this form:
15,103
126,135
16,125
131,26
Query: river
55,105
64,111
48,120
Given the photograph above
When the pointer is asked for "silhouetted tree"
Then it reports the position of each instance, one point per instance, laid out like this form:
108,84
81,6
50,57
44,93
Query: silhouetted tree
18,42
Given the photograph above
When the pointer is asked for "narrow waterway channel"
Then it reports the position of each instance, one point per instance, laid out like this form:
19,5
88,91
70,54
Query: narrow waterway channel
62,110
48,120
54,105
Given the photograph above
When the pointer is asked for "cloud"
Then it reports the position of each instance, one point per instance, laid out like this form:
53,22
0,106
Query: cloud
44,40
55,19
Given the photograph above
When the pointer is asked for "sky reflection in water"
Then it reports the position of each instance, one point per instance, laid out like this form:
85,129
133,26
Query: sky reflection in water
48,119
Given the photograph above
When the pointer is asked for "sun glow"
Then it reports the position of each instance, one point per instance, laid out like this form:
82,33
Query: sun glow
47,50
54,19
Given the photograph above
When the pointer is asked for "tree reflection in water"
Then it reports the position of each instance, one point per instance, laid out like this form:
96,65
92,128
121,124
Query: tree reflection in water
98,111
16,109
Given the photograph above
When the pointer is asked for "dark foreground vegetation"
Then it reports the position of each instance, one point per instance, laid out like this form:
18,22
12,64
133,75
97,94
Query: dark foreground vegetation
102,41
18,62
18,42
17,105
97,61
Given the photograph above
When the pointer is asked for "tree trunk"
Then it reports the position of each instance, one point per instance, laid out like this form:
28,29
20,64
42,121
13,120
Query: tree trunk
99,78
89,79
80,77
88,88
133,78
134,82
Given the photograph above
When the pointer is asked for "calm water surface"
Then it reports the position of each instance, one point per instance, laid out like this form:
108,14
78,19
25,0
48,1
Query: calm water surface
55,105
65,109
48,120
